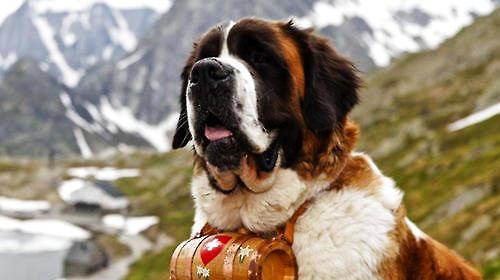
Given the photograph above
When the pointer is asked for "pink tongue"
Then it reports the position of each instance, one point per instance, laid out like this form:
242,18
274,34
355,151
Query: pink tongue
216,133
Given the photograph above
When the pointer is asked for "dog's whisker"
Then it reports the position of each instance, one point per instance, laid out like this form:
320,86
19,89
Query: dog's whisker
185,137
181,124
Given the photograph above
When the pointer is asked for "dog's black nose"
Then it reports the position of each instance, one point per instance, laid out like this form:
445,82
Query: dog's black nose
208,72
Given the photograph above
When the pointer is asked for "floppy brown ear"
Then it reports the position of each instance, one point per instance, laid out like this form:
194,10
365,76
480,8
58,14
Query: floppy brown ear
331,85
182,135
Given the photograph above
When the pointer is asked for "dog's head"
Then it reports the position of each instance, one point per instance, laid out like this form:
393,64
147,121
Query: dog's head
253,92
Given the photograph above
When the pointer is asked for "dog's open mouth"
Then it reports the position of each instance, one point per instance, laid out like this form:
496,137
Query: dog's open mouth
231,159
226,147
215,130
223,147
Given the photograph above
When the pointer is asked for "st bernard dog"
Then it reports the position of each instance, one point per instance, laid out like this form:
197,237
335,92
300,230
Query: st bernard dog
265,105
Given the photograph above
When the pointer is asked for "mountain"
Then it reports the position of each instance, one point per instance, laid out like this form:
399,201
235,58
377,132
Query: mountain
122,70
67,38
61,40
372,34
39,118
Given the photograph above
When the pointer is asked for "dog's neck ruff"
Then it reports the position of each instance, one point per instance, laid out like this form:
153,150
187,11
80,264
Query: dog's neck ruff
285,231
262,212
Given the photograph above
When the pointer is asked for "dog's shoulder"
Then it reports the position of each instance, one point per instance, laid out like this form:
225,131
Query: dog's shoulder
359,230
351,224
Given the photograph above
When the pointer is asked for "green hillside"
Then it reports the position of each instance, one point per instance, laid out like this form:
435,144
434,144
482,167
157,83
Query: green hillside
451,179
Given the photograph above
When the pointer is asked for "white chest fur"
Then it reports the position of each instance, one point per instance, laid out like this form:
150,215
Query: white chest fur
258,212
343,235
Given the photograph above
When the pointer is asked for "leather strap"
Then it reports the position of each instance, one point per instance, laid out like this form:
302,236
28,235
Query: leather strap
290,225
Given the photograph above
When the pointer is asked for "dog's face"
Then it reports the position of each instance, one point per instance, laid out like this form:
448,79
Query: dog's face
253,92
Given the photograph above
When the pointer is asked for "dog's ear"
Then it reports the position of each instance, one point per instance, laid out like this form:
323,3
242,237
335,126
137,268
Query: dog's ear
182,135
331,88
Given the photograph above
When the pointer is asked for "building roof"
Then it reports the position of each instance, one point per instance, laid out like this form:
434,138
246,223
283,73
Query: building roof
103,194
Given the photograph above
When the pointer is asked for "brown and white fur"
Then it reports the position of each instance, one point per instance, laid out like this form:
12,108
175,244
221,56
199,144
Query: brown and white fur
265,106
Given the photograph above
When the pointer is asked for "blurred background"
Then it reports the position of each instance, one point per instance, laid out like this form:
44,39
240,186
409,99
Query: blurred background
88,105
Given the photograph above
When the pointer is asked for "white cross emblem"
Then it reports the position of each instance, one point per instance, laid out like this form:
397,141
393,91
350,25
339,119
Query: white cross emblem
213,244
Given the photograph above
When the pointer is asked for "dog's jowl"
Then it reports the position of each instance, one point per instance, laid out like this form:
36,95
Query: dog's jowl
265,105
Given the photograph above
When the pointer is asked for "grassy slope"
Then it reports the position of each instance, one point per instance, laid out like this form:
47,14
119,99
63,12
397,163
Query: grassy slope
404,127
28,179
162,190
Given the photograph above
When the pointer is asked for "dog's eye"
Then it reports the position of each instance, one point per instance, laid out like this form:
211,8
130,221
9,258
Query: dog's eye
259,58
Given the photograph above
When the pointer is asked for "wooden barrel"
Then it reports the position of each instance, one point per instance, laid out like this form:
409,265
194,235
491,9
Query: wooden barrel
234,256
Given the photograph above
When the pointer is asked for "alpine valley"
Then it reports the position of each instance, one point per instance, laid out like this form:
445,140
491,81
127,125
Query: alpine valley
96,84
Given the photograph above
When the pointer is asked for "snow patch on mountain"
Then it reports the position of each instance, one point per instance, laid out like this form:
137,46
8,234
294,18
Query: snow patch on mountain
102,173
124,119
13,205
130,60
70,76
109,119
400,26
45,227
160,6
129,225
8,60
121,34
475,118
85,150
73,115
69,38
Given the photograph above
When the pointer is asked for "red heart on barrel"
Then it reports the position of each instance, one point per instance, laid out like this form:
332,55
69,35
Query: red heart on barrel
212,247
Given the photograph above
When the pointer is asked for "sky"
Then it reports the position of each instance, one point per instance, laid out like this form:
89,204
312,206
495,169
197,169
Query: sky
7,7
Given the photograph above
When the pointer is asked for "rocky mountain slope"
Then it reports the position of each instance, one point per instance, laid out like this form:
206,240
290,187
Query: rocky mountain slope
66,39
40,118
33,123
372,34
449,176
